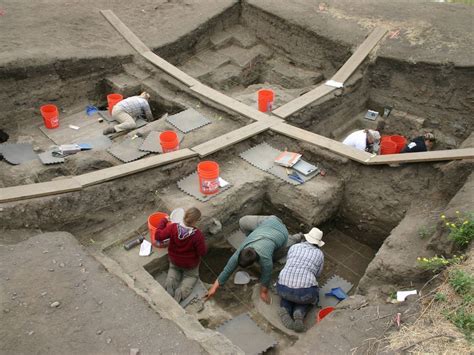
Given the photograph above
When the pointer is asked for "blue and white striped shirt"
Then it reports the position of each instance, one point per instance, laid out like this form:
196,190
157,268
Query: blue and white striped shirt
303,265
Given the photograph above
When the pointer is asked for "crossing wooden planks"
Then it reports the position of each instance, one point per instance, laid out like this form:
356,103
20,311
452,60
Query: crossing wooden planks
359,55
231,138
321,141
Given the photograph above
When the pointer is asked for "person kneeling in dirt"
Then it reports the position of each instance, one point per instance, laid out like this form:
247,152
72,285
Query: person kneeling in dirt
266,240
297,283
185,249
366,139
420,144
127,111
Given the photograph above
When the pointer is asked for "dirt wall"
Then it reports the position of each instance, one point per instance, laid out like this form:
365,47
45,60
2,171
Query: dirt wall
442,94
305,47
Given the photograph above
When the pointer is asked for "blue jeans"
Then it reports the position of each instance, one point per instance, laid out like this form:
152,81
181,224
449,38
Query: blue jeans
297,300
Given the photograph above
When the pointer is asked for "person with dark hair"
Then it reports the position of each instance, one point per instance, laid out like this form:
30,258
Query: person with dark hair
297,283
266,238
420,144
185,249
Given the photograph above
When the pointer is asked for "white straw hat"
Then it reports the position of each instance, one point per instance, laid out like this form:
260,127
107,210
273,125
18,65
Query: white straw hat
314,237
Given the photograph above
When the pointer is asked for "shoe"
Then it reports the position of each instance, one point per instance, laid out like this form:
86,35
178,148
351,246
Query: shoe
286,318
108,130
299,325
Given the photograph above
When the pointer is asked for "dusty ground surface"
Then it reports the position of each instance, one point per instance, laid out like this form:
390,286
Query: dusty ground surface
97,313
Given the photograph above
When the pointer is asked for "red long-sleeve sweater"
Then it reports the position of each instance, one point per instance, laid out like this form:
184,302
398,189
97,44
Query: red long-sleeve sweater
186,247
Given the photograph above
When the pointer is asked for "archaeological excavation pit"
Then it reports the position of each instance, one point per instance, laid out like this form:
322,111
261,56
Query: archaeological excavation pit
327,64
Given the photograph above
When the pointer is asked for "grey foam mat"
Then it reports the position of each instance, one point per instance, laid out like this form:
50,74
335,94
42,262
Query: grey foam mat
333,282
152,142
17,153
198,292
262,156
98,143
190,186
127,150
247,335
188,120
48,158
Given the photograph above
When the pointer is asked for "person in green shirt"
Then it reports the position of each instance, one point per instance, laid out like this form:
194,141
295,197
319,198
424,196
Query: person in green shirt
266,239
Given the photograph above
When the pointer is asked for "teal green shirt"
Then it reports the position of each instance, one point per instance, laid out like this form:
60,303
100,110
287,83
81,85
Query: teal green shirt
265,239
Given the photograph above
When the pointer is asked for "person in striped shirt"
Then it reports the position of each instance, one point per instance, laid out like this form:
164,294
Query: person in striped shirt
297,283
267,240
128,111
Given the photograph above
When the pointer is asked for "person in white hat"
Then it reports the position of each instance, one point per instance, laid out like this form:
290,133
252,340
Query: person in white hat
365,139
297,283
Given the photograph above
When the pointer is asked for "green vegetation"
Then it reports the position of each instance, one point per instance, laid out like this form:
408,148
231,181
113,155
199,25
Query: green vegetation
461,282
436,263
425,231
461,229
440,297
464,320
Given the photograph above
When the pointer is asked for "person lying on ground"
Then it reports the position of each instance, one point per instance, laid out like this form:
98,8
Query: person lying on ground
266,240
297,283
128,111
420,144
366,139
185,249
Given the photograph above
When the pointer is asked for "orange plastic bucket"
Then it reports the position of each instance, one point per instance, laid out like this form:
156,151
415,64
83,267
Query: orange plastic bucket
112,100
323,313
153,222
387,146
169,141
50,115
400,141
265,100
208,173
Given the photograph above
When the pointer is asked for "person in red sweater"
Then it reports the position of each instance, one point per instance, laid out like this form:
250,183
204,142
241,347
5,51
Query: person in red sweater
185,249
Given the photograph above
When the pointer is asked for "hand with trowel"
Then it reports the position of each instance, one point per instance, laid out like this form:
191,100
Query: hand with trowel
266,240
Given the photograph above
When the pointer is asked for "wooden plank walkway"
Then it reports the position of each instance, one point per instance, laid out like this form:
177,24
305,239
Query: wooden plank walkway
22,192
435,155
118,171
321,141
341,76
231,138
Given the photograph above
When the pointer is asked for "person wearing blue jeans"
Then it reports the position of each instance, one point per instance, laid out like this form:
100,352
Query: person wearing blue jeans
297,283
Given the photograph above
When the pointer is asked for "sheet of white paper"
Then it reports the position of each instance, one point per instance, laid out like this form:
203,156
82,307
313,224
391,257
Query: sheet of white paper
401,295
334,84
222,182
74,127
145,248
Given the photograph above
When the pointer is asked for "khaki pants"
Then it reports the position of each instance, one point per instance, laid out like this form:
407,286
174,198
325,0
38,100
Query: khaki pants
180,282
248,224
127,122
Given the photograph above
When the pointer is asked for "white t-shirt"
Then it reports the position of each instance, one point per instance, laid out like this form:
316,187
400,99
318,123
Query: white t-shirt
357,139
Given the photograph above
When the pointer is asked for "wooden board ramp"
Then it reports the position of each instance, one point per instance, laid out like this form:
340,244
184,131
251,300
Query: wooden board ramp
435,155
22,192
359,55
341,76
231,138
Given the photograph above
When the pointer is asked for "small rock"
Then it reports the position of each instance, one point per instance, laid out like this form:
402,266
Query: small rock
50,270
14,293
55,304
44,293
100,302
80,264
109,340
134,351
31,332
7,278
61,265
99,332
54,261
45,252
6,310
